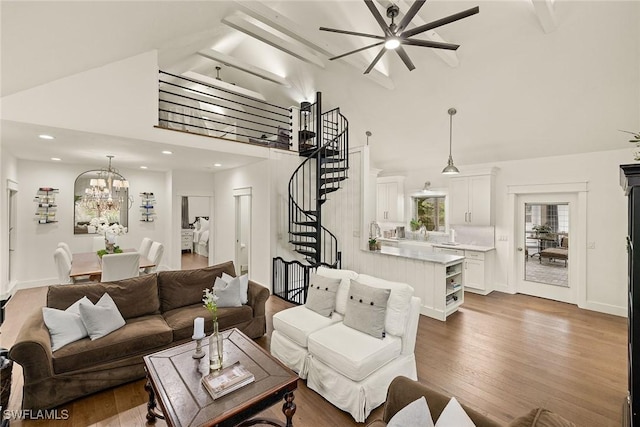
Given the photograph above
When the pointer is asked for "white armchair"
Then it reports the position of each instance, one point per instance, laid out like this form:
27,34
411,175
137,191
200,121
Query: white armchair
347,367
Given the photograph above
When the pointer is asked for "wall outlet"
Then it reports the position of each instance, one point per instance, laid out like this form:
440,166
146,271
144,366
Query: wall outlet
591,245
502,238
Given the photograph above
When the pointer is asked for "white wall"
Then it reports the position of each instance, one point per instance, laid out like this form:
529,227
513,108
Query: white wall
199,206
36,242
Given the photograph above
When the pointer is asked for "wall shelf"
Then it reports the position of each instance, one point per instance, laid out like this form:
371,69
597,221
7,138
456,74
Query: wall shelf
147,213
46,208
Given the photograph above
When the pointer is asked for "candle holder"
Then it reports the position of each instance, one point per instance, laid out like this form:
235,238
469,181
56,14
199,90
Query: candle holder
199,354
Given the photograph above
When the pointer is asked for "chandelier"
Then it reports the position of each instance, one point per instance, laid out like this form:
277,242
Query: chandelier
107,192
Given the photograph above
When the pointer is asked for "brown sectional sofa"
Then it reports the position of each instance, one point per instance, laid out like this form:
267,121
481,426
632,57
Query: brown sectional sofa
403,391
158,309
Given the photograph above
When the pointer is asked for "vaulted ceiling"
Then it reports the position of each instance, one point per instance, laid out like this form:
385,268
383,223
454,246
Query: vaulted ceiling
532,78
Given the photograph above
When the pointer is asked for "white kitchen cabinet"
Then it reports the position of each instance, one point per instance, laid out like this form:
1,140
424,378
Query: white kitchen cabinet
390,199
471,200
478,271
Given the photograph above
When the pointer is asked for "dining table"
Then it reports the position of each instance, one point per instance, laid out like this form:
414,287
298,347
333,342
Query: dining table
90,264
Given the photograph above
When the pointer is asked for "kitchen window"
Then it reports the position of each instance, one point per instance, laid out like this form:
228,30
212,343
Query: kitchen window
429,211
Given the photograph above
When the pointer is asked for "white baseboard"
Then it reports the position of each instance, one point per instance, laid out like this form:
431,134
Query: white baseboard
606,308
35,284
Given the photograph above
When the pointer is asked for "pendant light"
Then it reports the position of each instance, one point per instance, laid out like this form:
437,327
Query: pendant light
450,169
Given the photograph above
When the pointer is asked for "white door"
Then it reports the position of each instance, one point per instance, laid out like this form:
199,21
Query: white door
480,200
12,211
243,233
544,222
459,201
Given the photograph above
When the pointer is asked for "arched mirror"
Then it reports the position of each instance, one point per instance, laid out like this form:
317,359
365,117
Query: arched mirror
100,196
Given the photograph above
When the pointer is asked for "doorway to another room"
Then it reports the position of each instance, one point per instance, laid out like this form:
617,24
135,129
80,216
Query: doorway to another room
243,230
196,231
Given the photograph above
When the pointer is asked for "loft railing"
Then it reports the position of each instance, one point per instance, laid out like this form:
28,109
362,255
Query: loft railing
197,107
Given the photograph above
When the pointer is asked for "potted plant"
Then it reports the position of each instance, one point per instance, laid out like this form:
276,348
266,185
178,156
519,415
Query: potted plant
373,244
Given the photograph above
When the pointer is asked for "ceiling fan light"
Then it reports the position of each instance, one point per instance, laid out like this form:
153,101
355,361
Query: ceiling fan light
392,43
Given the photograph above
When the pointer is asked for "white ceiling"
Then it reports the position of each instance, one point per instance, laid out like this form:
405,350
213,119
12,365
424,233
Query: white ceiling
519,91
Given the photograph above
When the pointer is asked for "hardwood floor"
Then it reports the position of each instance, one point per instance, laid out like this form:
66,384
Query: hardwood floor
501,354
191,260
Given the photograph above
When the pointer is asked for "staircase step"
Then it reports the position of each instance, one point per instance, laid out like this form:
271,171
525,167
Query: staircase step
327,190
303,233
307,223
307,253
301,243
333,170
331,159
313,213
330,180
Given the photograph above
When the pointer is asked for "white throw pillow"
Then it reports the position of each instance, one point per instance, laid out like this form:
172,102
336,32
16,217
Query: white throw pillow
415,414
228,293
101,319
65,326
244,286
345,276
453,415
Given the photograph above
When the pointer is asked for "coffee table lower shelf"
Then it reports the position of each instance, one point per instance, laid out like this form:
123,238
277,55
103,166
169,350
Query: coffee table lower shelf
174,385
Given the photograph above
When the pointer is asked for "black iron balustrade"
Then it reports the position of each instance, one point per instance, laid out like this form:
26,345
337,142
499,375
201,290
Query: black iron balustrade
193,106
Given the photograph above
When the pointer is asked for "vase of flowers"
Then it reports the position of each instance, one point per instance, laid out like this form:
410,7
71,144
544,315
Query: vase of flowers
215,339
109,231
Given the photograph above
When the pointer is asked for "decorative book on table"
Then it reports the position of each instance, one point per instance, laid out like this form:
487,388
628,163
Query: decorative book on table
231,378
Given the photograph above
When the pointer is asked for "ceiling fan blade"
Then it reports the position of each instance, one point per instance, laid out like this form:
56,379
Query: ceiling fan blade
379,18
356,51
440,22
426,43
415,7
351,33
405,58
375,61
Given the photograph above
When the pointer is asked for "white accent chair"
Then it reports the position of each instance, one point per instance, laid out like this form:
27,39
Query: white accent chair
145,246
155,255
67,249
63,265
349,368
120,266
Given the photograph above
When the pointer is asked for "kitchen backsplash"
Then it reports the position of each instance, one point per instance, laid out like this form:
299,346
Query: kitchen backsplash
475,235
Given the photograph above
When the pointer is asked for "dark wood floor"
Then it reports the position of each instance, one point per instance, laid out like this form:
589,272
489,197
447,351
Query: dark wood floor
501,354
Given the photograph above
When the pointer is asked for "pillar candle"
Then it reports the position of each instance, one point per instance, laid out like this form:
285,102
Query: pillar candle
198,328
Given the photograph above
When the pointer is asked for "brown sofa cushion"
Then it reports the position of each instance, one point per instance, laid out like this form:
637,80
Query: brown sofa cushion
134,297
181,319
540,417
139,336
180,288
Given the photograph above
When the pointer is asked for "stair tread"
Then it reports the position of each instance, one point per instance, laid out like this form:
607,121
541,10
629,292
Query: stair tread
303,252
330,180
307,223
333,170
298,243
303,233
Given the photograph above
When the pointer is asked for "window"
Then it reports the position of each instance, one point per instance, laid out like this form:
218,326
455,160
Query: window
429,212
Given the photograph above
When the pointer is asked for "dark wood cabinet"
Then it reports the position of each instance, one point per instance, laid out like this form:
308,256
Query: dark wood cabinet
630,181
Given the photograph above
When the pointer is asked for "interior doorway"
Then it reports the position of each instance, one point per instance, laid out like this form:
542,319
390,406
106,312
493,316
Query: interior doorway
544,227
196,232
12,238
243,230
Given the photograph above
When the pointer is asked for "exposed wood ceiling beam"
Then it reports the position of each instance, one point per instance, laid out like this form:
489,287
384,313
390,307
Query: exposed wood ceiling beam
450,57
309,38
242,23
230,61
546,15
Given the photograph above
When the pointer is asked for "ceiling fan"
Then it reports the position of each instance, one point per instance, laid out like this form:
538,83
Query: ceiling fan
395,35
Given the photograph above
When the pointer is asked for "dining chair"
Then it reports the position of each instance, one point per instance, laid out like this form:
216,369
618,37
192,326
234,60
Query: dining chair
63,264
120,266
155,256
145,246
66,248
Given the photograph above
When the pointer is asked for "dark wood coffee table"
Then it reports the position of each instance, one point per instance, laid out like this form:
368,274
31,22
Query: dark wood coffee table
174,377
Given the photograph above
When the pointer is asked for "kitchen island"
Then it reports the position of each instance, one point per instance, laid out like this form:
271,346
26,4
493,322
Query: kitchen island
437,278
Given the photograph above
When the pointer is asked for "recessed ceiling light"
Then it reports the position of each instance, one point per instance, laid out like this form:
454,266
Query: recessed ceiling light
143,167
57,159
217,165
167,152
43,136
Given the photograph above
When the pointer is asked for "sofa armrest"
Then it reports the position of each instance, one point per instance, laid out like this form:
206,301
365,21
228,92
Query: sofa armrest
257,296
403,391
32,349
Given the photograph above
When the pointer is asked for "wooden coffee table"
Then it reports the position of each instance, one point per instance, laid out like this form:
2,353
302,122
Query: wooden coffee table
174,377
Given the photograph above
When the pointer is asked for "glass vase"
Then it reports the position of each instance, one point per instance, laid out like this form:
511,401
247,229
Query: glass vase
215,348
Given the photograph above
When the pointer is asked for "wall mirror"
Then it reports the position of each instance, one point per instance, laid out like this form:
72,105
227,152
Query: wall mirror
100,195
